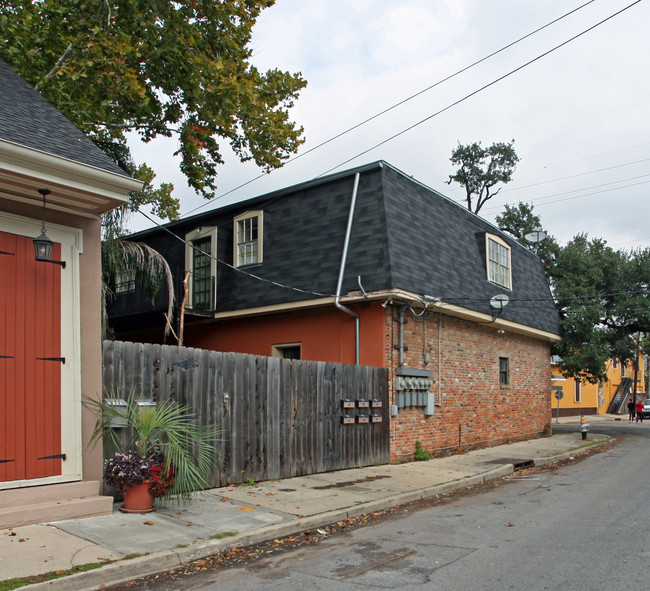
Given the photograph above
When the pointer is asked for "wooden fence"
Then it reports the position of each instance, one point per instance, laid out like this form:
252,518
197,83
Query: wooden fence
278,418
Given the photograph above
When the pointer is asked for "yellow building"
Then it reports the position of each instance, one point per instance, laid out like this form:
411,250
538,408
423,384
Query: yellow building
583,398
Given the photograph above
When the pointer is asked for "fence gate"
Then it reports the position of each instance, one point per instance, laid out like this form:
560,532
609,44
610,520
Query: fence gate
278,417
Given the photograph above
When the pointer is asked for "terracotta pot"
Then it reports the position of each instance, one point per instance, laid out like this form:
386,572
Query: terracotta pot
138,499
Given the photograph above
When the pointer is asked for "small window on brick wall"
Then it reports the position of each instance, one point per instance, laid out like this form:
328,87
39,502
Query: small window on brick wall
287,351
504,371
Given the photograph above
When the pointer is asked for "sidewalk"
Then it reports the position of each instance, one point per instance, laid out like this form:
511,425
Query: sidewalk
240,515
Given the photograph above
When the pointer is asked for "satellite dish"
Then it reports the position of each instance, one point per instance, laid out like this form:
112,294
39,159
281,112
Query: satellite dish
536,236
499,301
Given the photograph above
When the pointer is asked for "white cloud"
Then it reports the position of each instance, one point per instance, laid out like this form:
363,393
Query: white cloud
581,108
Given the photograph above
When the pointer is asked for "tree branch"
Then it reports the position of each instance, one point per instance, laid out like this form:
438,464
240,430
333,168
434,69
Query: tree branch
57,66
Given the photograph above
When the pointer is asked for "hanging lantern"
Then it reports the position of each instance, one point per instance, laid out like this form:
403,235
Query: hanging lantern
42,244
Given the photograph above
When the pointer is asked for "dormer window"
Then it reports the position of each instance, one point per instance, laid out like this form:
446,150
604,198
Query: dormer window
200,261
498,261
248,238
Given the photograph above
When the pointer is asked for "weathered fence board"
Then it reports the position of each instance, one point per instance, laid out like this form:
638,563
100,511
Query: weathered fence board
277,417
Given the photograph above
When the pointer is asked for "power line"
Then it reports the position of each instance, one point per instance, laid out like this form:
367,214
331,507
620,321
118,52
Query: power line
538,199
222,262
482,88
398,104
443,299
573,176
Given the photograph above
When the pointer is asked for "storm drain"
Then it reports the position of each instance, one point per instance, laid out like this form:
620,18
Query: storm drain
518,463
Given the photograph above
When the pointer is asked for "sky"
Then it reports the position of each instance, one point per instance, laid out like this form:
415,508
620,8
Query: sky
578,115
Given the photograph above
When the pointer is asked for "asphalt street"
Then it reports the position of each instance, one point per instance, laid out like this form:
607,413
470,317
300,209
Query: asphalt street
583,527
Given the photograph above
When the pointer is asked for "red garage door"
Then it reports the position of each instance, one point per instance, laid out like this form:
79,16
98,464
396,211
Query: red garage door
30,361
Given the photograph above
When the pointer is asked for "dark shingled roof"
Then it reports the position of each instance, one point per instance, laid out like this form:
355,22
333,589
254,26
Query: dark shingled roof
26,118
404,236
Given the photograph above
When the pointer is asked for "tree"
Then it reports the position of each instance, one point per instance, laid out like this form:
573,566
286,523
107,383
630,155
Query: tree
157,68
481,169
601,295
520,221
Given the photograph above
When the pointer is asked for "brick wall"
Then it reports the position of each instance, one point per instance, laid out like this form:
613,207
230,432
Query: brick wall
473,409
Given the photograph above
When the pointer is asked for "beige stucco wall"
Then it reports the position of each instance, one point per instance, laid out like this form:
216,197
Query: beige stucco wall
90,317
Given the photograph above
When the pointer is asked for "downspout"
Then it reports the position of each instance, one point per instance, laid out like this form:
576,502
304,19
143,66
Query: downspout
401,334
339,285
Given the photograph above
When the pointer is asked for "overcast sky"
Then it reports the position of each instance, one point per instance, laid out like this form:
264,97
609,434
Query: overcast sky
579,116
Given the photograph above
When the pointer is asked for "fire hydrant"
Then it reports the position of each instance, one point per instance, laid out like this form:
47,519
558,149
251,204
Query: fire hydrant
584,427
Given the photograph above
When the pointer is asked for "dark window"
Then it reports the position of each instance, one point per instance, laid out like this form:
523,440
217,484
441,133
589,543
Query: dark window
577,390
504,373
201,278
290,351
125,282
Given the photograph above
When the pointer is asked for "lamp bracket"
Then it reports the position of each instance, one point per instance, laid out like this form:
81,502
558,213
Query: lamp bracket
62,263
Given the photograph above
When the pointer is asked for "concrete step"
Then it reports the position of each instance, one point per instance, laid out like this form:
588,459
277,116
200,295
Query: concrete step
49,492
52,503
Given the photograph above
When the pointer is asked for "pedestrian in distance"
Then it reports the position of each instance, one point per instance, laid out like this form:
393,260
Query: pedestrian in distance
639,411
631,409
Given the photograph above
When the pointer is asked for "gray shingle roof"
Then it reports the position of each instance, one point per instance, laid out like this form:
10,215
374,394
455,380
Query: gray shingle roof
404,236
26,118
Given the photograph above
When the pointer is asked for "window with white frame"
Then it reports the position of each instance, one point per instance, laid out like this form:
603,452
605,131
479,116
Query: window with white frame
577,390
247,233
498,261
201,263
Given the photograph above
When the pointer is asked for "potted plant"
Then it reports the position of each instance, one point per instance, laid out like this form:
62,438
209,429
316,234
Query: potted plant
162,449
140,480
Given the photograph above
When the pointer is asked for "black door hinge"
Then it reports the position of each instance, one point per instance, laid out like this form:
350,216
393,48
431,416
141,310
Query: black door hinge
56,457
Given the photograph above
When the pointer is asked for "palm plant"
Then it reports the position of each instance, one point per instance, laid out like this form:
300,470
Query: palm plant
169,429
136,260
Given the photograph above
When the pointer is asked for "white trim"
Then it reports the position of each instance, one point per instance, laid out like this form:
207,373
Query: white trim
50,206
197,234
504,244
79,187
387,295
259,214
278,349
71,240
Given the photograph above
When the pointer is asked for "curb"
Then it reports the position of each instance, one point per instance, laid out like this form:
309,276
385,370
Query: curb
125,570
567,455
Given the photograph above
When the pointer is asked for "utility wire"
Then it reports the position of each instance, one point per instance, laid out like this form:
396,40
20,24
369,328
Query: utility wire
481,89
538,199
443,299
222,262
277,284
398,104
573,176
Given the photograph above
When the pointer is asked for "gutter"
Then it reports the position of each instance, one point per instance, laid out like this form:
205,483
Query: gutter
337,299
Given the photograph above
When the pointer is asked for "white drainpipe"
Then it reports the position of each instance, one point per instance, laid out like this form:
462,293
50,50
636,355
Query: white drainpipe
337,299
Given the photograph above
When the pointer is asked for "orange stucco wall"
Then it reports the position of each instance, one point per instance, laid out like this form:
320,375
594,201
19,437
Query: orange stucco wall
324,335
595,398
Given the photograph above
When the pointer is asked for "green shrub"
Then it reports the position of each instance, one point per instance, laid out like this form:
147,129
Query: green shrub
421,455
